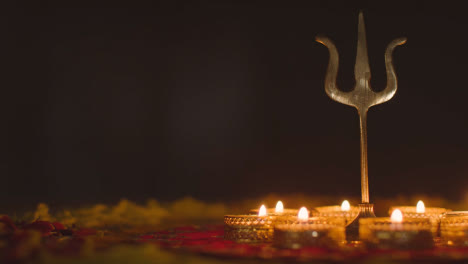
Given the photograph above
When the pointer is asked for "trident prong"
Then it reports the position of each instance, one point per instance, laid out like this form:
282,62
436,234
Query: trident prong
362,97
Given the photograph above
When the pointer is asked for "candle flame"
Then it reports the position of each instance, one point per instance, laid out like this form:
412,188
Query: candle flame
397,216
420,208
303,214
262,211
345,206
279,207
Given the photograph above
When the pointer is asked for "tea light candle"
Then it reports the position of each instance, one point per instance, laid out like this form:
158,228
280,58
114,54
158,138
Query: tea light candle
419,211
396,232
454,229
262,211
303,215
308,232
396,218
420,207
279,210
345,211
251,228
345,206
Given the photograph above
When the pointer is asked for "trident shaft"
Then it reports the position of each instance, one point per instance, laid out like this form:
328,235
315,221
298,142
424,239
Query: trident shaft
362,97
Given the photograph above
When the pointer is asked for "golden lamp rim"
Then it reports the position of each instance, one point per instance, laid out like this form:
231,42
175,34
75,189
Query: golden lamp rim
384,221
408,208
456,213
273,211
333,207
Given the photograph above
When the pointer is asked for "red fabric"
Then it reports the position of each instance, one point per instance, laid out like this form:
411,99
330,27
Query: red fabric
22,245
44,227
58,226
209,240
8,224
85,232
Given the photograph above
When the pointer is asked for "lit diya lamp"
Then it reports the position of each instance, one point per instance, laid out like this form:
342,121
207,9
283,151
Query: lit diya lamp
309,232
396,232
345,211
279,210
454,229
251,228
421,211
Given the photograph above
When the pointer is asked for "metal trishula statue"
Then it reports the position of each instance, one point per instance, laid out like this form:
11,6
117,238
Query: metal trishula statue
362,97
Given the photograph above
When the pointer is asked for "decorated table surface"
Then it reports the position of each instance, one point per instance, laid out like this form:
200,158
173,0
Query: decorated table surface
171,233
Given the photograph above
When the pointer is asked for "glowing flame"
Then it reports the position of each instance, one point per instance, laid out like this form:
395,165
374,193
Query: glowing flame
303,214
262,211
397,216
345,206
279,207
420,208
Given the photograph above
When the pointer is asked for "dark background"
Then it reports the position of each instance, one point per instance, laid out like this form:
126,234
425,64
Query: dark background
218,99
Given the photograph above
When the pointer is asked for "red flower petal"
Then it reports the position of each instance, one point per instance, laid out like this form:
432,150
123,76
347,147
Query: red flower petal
44,227
58,226
8,223
85,232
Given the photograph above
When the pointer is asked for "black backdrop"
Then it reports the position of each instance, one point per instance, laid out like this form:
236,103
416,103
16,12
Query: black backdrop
220,98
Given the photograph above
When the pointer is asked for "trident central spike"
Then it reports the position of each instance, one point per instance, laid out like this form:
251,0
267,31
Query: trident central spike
362,97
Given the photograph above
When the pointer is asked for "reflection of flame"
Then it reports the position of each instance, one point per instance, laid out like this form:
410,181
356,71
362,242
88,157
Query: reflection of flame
397,216
303,214
420,208
279,207
262,211
345,206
